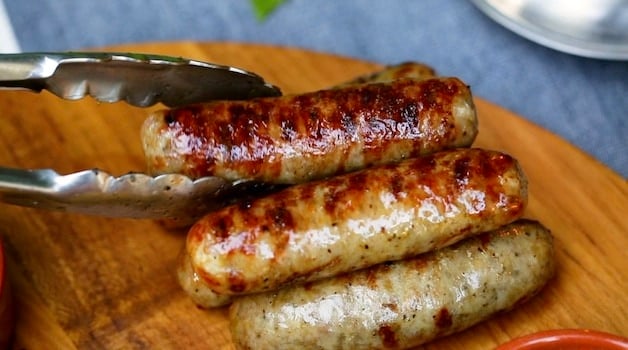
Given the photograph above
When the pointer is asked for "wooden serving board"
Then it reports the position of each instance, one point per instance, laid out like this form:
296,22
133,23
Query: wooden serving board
83,282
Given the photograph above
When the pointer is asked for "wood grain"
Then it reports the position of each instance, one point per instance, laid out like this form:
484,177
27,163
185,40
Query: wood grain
93,283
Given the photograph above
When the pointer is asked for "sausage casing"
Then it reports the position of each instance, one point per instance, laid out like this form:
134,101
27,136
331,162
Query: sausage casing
402,304
196,289
404,70
294,139
320,229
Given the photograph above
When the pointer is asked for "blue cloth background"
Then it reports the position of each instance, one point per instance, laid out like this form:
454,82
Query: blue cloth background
583,100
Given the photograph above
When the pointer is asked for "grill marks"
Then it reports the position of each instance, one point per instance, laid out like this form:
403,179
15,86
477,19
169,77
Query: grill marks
256,137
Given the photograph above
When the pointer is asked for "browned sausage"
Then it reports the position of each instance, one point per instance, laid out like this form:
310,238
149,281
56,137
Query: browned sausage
404,70
197,290
320,229
402,304
293,139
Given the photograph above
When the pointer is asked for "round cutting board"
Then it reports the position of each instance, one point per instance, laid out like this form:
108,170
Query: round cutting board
87,282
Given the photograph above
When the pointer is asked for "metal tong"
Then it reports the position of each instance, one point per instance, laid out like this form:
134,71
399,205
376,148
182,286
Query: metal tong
140,80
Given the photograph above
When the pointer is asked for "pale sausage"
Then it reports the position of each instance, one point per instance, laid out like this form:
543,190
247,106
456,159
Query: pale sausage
402,304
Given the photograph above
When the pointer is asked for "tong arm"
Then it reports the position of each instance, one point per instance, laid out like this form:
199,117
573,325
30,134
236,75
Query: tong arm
95,192
139,79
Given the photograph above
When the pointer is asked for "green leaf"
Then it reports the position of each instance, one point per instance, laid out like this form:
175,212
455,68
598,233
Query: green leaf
263,8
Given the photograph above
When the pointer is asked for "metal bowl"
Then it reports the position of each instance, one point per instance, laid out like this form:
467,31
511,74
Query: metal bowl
589,28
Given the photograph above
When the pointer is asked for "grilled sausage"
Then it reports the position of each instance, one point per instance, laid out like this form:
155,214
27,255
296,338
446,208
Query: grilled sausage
294,139
196,289
402,304
404,70
320,229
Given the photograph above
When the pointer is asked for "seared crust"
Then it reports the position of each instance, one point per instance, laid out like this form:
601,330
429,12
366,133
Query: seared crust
402,304
315,230
196,289
294,139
